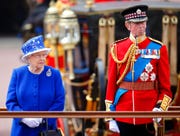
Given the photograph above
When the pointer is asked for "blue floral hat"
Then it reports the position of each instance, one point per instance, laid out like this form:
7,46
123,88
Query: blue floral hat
33,45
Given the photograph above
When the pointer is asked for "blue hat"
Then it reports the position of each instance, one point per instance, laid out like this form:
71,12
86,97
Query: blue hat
33,45
136,13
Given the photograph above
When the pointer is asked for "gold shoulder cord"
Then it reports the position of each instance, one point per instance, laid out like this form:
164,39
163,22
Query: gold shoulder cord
129,57
159,42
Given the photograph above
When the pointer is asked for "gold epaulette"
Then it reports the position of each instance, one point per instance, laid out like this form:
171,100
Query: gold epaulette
114,43
154,40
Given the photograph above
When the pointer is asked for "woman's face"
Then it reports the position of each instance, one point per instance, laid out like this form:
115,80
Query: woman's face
137,29
38,60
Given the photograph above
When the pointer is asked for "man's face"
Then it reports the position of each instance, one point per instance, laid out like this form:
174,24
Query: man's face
137,29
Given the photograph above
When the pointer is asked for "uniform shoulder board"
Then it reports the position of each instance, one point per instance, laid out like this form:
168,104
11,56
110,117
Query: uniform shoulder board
114,43
154,40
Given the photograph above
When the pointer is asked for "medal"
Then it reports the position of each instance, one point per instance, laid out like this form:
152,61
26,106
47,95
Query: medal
150,53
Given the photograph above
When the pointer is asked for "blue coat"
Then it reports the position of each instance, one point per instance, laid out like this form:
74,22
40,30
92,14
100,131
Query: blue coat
34,92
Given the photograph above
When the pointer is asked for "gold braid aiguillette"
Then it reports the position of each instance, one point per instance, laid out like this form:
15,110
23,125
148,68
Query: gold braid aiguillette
129,57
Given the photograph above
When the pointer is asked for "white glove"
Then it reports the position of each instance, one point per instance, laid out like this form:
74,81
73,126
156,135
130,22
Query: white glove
113,126
32,122
157,119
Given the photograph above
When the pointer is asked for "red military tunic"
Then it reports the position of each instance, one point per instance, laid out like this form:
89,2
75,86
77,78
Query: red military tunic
155,70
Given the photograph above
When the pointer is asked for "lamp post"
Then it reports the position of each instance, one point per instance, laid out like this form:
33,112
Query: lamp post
69,36
51,29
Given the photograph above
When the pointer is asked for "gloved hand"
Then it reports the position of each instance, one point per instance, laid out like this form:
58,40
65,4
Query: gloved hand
32,122
113,126
157,119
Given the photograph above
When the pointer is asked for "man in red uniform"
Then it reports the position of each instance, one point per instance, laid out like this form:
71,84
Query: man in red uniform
138,75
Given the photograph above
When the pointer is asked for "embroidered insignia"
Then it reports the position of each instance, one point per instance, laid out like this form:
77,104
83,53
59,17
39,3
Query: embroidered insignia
48,73
144,76
149,68
153,77
138,11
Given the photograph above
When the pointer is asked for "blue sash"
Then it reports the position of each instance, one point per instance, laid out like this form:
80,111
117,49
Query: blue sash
139,66
119,93
141,63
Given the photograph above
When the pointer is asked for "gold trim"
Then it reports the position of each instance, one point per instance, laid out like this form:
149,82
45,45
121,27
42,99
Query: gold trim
165,19
102,22
174,20
155,41
129,57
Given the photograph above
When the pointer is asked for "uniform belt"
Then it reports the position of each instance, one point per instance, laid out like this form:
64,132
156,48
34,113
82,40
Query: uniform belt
138,85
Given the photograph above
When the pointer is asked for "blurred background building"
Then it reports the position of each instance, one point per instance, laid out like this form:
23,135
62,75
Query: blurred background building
15,14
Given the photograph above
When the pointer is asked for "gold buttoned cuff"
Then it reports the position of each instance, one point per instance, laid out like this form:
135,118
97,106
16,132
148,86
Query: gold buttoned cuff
108,104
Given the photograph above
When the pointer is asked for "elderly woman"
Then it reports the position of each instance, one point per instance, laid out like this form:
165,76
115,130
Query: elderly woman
34,87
